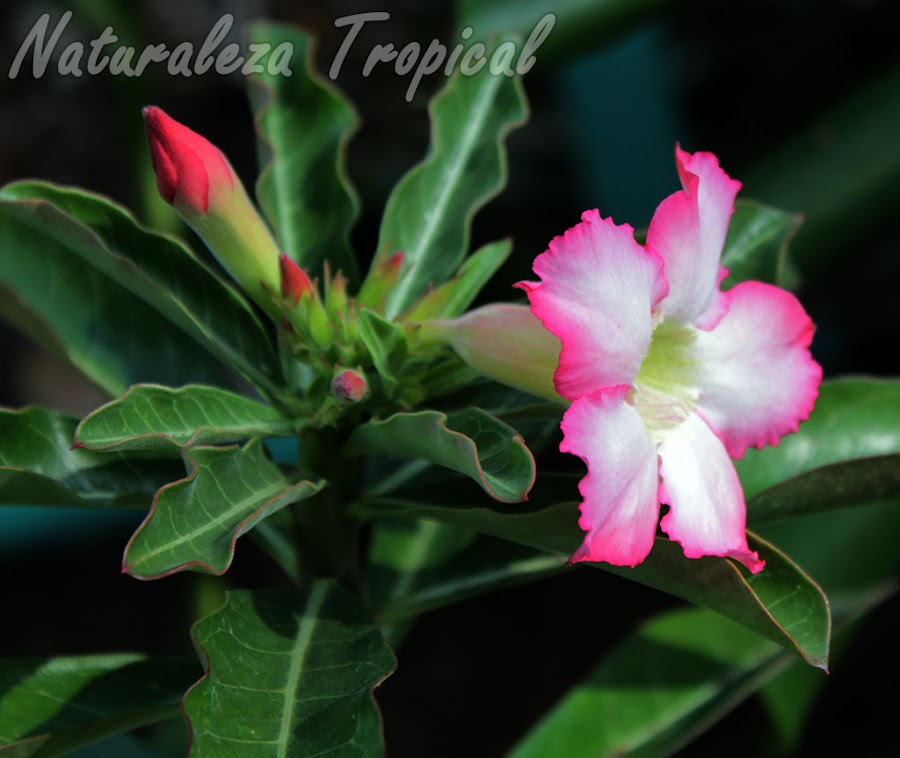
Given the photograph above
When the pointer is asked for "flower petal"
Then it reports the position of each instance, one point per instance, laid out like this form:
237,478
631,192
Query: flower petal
688,232
707,514
757,380
620,509
597,290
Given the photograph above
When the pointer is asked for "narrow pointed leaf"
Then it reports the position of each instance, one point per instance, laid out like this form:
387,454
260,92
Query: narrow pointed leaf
452,298
96,248
428,215
756,245
195,522
471,442
852,419
288,674
38,466
781,603
304,125
151,417
51,706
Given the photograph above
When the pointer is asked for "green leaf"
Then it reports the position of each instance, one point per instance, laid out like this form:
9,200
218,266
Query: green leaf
38,466
288,674
780,603
304,125
578,25
858,163
399,552
852,419
856,483
471,442
756,245
91,242
51,706
452,298
679,674
417,566
386,344
196,521
428,215
151,417
78,313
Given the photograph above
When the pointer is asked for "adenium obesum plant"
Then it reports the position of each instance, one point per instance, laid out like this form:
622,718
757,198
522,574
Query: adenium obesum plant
391,448
667,375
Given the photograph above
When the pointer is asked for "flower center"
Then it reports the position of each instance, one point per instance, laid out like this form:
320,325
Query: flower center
665,387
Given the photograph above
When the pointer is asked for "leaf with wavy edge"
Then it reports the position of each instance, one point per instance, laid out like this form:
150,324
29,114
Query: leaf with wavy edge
429,213
150,416
195,522
157,269
288,674
470,441
304,125
38,466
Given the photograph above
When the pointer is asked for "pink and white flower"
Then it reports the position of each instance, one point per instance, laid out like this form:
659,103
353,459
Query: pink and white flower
667,375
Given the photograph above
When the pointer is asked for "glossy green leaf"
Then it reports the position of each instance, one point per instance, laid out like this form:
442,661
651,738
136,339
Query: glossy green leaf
38,466
855,483
304,125
428,215
780,603
471,442
288,674
94,243
195,522
756,245
51,706
151,417
679,674
452,298
386,344
80,314
852,419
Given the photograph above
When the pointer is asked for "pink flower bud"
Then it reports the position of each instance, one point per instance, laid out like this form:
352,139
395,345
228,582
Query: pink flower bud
349,386
504,342
294,281
195,177
186,164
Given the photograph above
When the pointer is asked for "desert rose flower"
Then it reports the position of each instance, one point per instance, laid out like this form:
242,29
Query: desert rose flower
667,375
194,176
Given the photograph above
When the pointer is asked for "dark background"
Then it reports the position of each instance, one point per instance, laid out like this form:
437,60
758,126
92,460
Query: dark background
771,87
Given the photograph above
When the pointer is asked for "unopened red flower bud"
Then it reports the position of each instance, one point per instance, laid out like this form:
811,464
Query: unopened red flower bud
295,282
349,385
195,177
